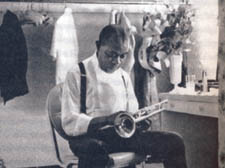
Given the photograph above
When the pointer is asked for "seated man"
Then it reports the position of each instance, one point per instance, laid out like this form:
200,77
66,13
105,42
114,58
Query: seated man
109,92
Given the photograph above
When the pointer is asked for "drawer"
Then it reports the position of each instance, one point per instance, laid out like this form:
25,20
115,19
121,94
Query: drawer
192,107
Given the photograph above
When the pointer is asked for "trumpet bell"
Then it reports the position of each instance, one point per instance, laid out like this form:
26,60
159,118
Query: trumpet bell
125,125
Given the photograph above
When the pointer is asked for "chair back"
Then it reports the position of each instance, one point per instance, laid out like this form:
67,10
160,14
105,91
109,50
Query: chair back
54,110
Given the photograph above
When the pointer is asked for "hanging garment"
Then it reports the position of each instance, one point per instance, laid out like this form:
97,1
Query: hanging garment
64,47
33,17
123,20
114,16
147,66
13,58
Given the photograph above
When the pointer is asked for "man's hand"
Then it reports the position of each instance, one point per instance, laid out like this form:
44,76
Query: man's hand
111,118
144,125
100,122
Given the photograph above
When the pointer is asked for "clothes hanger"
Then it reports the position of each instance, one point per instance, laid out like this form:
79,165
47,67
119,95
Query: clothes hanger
65,5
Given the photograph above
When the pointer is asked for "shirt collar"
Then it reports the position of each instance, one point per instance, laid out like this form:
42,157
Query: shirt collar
97,67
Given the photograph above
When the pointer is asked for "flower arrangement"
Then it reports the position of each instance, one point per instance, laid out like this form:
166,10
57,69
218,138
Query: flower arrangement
170,32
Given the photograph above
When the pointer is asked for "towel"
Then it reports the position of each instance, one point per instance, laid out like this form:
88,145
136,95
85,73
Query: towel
64,47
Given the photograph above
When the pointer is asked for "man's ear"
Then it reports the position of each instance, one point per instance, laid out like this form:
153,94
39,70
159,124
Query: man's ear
97,44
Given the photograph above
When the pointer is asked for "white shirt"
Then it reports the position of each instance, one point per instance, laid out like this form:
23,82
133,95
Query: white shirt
107,93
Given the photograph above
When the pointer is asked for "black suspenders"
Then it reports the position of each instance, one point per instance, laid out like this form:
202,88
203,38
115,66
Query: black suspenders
83,88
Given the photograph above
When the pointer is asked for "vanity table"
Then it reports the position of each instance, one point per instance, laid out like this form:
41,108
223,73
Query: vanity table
206,106
195,117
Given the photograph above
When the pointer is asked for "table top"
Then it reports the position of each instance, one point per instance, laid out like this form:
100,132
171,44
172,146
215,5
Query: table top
200,105
191,98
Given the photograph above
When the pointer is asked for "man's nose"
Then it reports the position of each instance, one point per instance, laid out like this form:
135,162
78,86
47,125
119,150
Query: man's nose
117,60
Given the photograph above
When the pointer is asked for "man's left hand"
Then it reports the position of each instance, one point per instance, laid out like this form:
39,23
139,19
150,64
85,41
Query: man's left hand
144,125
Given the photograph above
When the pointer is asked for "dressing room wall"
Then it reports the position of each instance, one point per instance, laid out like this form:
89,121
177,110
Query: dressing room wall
41,78
41,67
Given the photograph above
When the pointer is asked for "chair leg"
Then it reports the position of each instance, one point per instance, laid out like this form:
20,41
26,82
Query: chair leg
142,164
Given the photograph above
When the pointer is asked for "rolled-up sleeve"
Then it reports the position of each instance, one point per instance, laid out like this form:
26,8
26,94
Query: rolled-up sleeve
73,121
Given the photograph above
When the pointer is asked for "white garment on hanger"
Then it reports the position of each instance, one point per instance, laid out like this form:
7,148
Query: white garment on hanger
64,47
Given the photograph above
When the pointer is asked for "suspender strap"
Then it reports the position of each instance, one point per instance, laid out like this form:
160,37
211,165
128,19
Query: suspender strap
83,85
83,88
125,85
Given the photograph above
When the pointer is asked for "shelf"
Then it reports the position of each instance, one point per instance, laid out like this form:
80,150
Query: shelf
84,6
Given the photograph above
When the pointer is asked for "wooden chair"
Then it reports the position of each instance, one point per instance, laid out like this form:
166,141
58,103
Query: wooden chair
53,106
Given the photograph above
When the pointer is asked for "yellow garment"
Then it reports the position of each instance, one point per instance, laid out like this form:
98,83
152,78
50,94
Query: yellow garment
107,93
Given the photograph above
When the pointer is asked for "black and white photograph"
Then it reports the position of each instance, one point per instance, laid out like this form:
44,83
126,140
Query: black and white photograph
112,84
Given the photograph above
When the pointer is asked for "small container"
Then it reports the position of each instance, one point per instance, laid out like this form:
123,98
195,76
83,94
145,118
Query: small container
190,82
204,82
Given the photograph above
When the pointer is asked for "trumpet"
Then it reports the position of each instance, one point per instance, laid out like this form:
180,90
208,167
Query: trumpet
125,123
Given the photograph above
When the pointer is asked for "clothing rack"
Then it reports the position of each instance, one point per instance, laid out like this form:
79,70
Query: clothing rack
83,7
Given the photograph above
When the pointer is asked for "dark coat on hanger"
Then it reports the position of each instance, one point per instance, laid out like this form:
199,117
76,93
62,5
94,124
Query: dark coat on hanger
13,58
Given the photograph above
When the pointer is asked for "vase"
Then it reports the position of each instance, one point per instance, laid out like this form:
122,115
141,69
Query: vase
175,70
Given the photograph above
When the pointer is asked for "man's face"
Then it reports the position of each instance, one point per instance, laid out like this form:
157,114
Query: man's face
110,56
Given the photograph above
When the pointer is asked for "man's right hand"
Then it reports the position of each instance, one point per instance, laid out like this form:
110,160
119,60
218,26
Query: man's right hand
100,122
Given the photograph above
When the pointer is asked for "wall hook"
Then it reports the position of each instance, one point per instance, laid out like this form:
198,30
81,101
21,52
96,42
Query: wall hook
65,5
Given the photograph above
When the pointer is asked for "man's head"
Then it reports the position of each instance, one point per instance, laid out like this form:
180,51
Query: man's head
112,47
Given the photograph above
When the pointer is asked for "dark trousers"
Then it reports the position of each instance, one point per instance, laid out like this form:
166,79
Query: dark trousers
164,147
